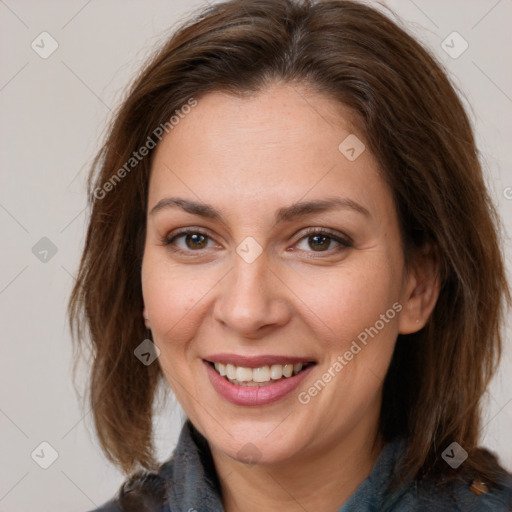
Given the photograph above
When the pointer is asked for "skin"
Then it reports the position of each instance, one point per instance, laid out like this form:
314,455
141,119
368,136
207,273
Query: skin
248,157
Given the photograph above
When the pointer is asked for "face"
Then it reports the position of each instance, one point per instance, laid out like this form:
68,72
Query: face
270,247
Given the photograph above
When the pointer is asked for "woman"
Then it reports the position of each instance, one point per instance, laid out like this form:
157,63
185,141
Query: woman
291,229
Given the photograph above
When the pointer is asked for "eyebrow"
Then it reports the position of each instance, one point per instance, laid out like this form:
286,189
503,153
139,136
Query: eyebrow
285,214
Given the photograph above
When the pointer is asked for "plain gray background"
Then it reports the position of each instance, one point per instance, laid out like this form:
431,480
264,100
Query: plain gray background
53,114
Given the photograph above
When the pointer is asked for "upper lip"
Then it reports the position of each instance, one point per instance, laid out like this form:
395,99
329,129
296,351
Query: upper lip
256,361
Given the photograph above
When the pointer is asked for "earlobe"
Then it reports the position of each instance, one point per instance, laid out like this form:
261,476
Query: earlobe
420,295
146,318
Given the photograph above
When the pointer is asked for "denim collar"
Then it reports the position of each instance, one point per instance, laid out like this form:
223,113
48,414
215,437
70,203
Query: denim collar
195,486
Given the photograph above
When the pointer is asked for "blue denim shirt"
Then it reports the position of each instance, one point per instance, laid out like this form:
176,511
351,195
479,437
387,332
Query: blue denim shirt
188,483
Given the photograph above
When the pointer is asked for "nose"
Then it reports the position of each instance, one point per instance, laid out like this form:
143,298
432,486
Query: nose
252,300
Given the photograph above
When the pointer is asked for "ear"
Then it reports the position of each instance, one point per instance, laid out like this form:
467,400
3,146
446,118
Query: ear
420,292
146,318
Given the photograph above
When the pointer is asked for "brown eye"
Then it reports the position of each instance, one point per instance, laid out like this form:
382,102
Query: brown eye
188,240
323,241
319,242
196,240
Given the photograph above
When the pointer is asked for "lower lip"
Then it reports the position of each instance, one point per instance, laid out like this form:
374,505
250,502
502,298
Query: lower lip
254,395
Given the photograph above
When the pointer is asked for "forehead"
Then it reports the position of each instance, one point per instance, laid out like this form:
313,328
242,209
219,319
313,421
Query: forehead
279,145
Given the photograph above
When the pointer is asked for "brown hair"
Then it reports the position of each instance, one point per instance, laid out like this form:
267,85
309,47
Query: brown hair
416,127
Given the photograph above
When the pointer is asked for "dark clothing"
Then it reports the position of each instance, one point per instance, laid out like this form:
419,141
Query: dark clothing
188,483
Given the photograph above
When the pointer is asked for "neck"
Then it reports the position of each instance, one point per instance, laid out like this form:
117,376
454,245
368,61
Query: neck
320,481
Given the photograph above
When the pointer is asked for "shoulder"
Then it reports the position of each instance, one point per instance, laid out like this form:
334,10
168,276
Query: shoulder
187,481
459,491
455,496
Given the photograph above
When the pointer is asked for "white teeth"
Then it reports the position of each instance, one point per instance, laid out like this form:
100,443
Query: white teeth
276,371
287,370
221,368
261,374
242,375
230,372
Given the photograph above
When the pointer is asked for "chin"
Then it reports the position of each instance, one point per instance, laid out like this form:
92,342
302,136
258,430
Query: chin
253,443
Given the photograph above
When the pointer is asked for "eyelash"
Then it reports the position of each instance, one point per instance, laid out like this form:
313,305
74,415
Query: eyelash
344,241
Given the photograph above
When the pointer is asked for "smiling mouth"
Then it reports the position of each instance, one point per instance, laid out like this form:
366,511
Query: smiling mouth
261,376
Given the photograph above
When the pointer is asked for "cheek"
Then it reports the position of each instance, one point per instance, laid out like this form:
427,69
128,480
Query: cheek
358,318
172,296
348,301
